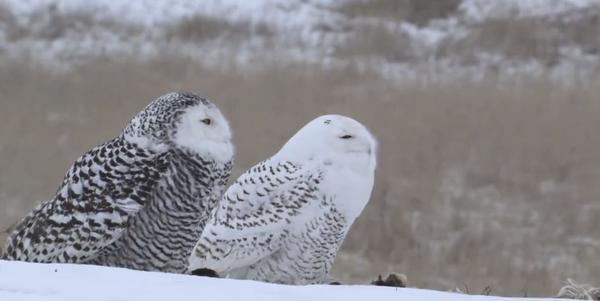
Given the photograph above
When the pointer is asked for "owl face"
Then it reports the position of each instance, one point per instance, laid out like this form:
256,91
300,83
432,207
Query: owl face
202,128
183,121
336,139
347,140
346,135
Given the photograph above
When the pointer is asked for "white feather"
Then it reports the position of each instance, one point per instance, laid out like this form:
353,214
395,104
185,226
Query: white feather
211,140
245,231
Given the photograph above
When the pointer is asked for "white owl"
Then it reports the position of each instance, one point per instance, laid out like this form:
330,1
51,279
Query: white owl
284,220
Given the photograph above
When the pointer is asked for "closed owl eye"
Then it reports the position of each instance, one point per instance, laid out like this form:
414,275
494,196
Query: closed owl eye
206,121
347,137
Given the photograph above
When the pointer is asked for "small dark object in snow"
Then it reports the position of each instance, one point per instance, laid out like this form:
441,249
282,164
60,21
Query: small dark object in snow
205,273
394,280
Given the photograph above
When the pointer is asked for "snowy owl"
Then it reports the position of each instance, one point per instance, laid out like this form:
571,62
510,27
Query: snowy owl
139,200
283,220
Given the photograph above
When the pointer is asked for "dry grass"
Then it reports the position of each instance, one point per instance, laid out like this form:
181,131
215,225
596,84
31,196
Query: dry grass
377,41
416,11
574,290
52,23
526,38
200,28
478,184
517,38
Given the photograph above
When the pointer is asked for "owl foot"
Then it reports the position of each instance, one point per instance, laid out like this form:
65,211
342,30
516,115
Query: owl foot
206,273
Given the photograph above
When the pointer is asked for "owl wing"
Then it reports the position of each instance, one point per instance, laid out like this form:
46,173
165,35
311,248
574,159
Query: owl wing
100,192
254,215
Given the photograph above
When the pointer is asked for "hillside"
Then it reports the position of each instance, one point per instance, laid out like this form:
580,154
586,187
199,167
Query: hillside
486,113
407,39
55,282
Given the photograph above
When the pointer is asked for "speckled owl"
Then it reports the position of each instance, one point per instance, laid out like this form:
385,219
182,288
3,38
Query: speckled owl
140,200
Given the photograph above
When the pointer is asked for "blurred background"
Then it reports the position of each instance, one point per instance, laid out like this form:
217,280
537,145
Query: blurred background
487,114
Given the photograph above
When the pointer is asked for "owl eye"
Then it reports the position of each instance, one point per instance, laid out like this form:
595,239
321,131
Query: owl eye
206,121
347,137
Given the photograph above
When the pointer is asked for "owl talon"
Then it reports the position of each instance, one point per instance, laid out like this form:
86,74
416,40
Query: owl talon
205,272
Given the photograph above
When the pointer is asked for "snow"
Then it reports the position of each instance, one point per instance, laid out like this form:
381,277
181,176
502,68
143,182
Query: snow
20,281
480,10
304,19
304,31
282,13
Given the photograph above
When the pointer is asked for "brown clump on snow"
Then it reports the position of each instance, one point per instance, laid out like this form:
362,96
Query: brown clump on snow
393,279
574,290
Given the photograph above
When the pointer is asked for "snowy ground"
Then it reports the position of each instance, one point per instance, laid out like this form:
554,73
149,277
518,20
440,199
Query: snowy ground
59,32
60,282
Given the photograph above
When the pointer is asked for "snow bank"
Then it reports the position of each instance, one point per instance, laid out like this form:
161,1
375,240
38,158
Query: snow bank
21,281
480,10
305,31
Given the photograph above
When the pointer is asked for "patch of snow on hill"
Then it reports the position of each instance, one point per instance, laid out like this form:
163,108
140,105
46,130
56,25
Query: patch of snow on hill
308,31
480,10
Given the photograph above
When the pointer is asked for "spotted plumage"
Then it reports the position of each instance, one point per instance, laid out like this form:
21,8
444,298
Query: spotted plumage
284,219
139,200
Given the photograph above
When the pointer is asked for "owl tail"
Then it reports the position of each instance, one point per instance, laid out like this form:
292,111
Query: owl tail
4,243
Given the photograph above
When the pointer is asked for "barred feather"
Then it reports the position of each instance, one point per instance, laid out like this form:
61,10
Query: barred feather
151,188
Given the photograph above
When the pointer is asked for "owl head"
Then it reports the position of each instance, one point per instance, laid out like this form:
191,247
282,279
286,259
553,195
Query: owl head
184,121
336,140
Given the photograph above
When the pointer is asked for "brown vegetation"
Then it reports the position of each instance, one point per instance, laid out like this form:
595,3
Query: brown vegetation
199,28
528,38
478,183
574,290
415,11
